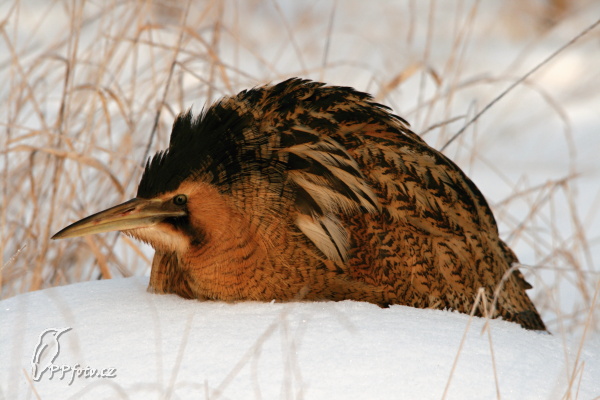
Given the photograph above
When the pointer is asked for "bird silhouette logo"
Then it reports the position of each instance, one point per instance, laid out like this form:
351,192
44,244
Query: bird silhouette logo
46,351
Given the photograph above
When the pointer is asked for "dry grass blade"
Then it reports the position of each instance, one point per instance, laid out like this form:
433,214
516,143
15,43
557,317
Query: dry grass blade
521,80
162,103
79,158
31,384
578,367
255,350
478,302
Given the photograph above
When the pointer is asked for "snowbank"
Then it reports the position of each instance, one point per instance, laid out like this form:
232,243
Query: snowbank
158,346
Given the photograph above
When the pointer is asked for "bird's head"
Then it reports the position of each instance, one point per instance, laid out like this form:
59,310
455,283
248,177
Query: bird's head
184,195
168,221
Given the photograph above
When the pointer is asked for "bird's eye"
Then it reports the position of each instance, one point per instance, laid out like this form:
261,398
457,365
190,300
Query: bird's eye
180,199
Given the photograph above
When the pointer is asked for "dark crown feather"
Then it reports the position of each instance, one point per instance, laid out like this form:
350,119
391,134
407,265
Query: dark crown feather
208,144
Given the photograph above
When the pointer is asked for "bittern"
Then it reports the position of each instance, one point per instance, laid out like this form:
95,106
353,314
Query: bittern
302,191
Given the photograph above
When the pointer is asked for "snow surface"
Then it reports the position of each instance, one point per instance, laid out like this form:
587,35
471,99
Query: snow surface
163,346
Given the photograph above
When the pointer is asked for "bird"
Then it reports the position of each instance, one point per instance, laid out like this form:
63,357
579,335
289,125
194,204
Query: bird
46,351
301,190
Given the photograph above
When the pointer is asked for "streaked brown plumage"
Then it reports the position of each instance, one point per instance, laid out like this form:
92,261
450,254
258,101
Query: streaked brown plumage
306,191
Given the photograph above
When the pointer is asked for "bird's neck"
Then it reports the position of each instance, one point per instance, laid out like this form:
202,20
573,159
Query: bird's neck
234,251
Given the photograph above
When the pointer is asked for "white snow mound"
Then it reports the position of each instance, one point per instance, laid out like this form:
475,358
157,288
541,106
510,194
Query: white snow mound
162,346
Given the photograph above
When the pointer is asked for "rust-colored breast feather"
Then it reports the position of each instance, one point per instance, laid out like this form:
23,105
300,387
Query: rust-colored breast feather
335,198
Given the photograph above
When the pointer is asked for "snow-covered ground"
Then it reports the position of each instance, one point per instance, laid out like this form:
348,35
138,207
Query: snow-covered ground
159,347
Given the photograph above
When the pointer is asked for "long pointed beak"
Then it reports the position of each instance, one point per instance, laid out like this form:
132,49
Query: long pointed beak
135,213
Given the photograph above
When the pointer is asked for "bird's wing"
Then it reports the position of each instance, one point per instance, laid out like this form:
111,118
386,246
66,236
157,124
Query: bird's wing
327,182
425,192
434,206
